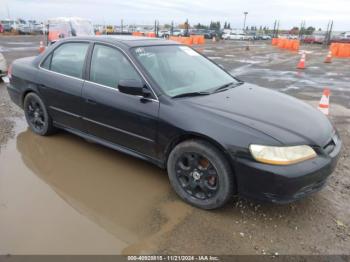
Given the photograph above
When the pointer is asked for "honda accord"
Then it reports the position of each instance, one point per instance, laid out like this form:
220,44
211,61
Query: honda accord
166,103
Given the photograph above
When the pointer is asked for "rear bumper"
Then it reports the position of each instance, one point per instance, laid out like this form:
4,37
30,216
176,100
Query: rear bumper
284,184
15,95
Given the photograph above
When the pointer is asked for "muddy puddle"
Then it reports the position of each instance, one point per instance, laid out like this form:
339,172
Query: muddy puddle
63,195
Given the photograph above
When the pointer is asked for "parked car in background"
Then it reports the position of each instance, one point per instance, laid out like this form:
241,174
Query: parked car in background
24,28
341,38
208,34
248,37
39,28
10,25
317,37
164,33
177,32
265,37
226,31
3,65
233,36
262,37
293,37
310,39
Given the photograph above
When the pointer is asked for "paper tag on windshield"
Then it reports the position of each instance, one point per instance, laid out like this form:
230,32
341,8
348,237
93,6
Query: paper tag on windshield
189,51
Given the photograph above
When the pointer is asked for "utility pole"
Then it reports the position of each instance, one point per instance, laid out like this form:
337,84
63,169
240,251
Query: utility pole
302,27
157,34
121,26
8,11
245,19
278,28
172,28
325,42
330,33
274,29
155,27
186,28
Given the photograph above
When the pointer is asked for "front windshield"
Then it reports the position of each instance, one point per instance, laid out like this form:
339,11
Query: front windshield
179,69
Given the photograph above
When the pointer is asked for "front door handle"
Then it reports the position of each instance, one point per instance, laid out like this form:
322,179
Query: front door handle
90,101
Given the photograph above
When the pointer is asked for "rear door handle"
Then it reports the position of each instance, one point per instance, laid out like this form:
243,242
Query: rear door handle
90,101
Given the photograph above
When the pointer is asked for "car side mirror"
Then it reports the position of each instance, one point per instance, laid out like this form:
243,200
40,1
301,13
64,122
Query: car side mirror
131,87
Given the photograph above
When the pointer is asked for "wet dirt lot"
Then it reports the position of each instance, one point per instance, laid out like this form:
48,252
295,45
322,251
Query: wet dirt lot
63,195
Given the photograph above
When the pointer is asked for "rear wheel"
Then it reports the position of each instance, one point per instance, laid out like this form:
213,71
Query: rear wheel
37,116
200,174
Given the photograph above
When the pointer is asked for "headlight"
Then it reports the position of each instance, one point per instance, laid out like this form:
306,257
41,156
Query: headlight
282,155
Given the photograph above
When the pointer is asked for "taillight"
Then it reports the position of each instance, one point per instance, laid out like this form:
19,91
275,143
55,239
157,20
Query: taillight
9,72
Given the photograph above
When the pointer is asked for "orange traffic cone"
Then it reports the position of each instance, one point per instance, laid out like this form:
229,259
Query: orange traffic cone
41,47
329,57
301,64
324,103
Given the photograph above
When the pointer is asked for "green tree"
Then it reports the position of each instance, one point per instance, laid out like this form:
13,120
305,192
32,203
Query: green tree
215,25
200,26
310,30
294,30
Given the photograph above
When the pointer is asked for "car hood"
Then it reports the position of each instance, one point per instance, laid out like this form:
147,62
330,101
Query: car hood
285,118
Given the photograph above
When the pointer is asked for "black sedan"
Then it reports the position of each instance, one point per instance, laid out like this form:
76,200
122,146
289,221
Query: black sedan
167,104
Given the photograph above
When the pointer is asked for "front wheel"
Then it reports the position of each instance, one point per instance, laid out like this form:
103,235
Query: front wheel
37,116
200,174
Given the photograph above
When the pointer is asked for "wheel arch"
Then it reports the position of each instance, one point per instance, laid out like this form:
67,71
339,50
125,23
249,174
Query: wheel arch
189,136
29,89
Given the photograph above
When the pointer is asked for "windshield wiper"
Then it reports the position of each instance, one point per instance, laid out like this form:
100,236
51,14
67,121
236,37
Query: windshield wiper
192,94
227,86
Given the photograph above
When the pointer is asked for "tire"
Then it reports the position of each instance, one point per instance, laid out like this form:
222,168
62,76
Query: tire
181,182
38,119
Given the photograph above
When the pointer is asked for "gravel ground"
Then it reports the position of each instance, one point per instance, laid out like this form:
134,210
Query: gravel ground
315,225
7,111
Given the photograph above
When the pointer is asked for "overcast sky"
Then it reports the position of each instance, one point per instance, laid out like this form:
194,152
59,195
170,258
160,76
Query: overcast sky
315,12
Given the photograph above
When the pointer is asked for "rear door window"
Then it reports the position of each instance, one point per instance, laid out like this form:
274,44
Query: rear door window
68,59
47,62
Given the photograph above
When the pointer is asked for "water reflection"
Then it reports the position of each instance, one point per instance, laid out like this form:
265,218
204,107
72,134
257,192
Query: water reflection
126,196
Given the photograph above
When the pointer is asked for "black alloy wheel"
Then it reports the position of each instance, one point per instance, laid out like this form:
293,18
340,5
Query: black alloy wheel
200,174
36,115
197,175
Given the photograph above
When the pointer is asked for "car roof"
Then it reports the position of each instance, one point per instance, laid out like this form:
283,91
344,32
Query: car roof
126,40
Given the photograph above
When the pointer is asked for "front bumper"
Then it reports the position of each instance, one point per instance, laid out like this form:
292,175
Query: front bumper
284,184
